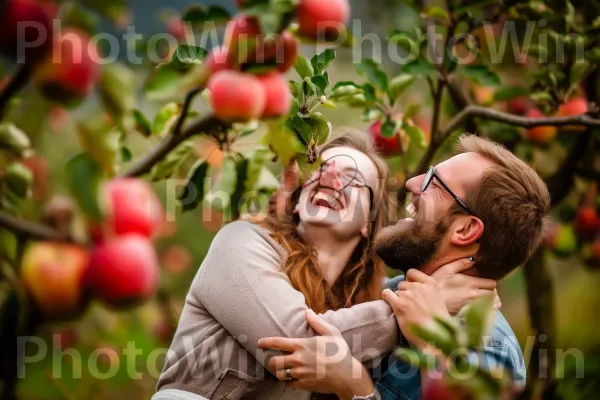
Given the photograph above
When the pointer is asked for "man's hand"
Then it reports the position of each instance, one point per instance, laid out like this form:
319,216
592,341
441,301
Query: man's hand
459,289
418,299
321,364
280,205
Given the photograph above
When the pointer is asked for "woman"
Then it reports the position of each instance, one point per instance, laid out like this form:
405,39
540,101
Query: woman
258,280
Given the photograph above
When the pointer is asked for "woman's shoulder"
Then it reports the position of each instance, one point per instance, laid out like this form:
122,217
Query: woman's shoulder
246,234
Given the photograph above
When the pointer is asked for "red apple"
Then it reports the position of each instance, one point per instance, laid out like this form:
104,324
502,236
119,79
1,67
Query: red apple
53,274
439,389
242,31
123,271
576,106
280,51
219,59
176,28
176,259
131,206
64,338
540,134
591,254
35,38
237,97
386,146
318,19
278,95
518,105
587,223
68,74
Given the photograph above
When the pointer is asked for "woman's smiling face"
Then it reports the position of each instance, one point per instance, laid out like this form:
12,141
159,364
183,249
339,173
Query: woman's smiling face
337,196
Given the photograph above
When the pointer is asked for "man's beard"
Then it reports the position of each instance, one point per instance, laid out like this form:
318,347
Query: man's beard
410,245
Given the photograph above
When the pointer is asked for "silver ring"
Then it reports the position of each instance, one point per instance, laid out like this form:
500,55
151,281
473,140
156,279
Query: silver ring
288,373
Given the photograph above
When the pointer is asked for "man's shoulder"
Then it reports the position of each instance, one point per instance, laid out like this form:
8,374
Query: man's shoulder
502,345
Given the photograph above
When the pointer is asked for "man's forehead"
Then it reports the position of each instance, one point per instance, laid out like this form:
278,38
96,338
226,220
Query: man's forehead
464,169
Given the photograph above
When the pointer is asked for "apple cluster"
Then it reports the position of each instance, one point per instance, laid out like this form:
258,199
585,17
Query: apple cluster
66,63
121,268
247,80
545,134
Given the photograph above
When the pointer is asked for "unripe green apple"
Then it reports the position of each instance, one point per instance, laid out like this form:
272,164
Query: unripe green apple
562,240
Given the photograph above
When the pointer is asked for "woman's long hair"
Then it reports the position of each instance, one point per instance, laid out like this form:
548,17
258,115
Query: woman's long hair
362,279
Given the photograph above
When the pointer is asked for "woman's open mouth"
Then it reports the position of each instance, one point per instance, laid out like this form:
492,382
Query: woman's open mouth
329,199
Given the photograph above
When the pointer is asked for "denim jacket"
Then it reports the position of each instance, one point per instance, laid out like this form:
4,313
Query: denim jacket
401,381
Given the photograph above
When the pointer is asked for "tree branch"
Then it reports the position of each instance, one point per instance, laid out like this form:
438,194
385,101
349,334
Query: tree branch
16,83
208,124
30,229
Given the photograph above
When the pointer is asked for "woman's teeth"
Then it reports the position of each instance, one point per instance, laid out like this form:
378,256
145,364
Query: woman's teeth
411,210
331,201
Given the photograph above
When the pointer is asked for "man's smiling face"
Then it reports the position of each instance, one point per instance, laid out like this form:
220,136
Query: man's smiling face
418,241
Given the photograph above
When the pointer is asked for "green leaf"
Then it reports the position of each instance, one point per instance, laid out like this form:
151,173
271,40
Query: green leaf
417,136
432,332
410,111
164,83
313,128
369,93
282,139
198,15
225,185
126,155
509,92
342,90
303,67
406,42
13,139
437,13
18,179
102,143
480,74
297,92
84,176
371,70
579,71
193,193
187,56
419,67
478,316
322,61
320,84
399,85
256,163
415,358
389,128
114,10
78,17
165,119
142,124
167,167
117,89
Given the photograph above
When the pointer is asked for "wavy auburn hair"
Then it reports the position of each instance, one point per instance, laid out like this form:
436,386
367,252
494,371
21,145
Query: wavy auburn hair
362,278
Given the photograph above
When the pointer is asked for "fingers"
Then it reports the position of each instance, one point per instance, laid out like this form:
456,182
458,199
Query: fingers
457,266
414,275
279,363
404,285
320,326
483,283
279,343
392,299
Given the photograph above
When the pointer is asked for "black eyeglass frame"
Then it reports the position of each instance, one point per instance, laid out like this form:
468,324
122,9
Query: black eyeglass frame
431,173
358,184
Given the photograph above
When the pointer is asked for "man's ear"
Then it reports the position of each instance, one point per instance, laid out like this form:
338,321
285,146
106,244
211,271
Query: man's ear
466,230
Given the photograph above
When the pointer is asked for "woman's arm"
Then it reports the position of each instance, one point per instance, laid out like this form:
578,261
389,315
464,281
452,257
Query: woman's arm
241,285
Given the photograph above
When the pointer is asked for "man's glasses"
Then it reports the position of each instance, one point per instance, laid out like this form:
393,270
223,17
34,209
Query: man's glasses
429,177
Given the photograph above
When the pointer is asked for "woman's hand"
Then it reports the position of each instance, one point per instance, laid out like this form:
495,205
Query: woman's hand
320,364
459,289
280,205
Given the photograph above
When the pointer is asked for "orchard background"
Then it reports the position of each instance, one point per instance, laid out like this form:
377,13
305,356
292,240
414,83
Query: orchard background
113,152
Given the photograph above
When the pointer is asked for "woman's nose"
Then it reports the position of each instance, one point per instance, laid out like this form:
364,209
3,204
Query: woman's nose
330,177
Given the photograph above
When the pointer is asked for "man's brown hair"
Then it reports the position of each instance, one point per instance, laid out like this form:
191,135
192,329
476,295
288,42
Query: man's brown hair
512,201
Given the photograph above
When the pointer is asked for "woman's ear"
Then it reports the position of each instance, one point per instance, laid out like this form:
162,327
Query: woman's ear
466,231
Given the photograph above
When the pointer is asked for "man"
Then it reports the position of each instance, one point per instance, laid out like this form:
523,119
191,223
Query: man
483,203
